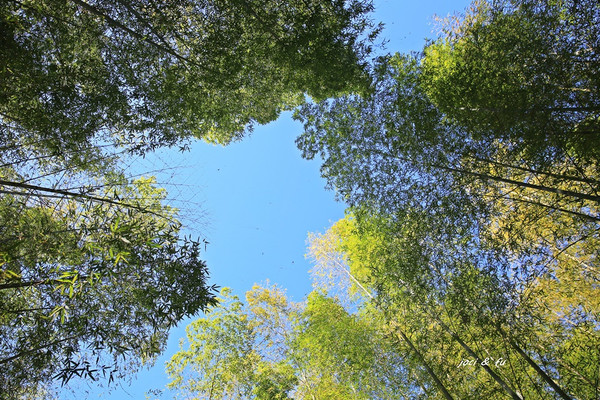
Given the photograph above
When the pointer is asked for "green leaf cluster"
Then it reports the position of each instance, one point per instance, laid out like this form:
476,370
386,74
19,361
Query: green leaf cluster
90,286
273,348
145,74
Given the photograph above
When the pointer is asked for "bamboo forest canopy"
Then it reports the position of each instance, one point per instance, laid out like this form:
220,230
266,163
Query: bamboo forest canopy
144,74
467,263
91,285
472,172
272,348
524,71
94,267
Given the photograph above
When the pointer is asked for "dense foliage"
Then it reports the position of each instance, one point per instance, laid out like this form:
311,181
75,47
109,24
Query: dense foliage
467,265
90,280
272,348
145,74
473,176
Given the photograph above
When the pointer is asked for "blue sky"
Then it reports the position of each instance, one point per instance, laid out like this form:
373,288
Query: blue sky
256,200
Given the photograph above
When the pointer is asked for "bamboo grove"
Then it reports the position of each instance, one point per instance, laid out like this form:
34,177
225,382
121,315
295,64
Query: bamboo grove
467,264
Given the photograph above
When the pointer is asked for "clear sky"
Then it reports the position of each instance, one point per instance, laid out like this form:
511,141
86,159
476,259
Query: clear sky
255,201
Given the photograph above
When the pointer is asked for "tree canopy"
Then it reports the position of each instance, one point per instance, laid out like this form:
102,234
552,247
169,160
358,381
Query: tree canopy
144,74
90,281
472,176
273,348
524,71
467,262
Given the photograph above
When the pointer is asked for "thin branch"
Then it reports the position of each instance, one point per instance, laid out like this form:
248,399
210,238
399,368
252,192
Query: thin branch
65,193
34,350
